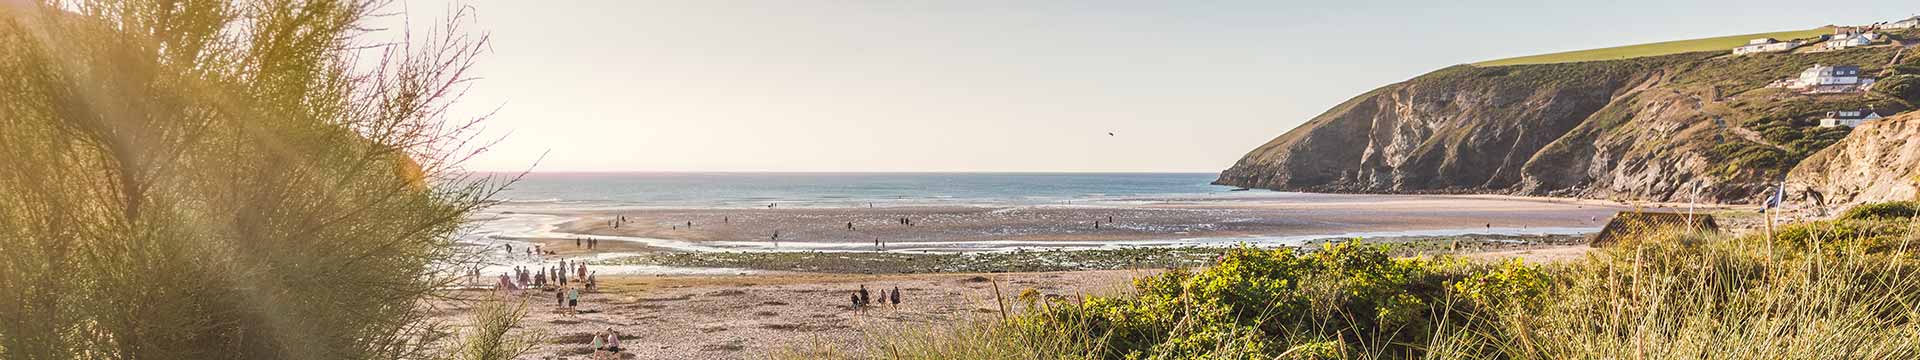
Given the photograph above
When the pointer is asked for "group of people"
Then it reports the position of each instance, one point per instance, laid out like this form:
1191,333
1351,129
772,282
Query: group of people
588,243
606,345
862,299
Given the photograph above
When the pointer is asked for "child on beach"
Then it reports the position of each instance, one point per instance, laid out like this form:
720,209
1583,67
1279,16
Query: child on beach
560,297
599,346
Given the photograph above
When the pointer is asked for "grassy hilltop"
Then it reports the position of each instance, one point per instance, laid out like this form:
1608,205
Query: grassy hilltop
1647,128
1722,43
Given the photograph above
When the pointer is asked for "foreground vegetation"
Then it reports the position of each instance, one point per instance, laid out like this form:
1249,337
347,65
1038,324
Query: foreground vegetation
229,180
1841,289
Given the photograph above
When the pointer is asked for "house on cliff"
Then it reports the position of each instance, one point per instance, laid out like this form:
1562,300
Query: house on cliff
1848,40
1825,79
1907,23
1766,45
1850,119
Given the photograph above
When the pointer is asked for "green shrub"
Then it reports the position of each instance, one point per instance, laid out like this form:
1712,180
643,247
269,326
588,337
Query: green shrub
1903,86
1885,210
1264,303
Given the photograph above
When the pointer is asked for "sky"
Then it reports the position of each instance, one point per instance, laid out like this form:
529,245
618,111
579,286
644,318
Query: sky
900,85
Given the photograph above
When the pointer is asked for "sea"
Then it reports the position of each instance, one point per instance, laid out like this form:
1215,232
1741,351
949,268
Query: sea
529,205
741,190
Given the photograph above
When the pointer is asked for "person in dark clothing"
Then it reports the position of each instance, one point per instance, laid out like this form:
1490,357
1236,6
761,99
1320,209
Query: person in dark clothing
895,297
865,297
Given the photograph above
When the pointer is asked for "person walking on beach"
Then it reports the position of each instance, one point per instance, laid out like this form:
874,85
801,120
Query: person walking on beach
849,225
599,346
895,297
613,344
865,298
576,242
590,281
854,299
573,300
560,297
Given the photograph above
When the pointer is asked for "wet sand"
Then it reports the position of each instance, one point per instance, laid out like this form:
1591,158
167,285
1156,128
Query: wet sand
746,317
1302,214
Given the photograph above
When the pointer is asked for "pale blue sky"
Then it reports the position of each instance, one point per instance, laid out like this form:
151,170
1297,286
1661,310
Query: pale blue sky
896,85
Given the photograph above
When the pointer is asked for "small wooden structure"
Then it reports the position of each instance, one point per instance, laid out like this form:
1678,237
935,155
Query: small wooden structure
1632,223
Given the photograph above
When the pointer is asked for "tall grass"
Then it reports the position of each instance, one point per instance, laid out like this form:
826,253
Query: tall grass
1662,295
1707,297
248,179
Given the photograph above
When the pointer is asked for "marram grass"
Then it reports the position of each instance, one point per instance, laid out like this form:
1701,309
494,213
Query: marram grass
1661,295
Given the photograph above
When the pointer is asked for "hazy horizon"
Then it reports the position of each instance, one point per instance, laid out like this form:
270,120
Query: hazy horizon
767,86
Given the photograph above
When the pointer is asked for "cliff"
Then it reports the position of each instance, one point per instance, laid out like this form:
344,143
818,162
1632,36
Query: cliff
1879,162
1651,128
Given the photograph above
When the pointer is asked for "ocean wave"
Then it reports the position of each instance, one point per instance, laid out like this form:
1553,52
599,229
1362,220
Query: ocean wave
532,201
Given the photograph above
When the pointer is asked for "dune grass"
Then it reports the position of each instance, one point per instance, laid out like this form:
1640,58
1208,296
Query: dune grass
1826,290
1723,43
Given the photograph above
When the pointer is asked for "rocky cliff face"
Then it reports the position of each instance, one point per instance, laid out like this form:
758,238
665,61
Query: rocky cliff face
1880,161
1661,129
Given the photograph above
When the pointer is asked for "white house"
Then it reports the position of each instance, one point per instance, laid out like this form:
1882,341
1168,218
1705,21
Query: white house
1766,45
1847,40
1822,75
1903,24
1847,118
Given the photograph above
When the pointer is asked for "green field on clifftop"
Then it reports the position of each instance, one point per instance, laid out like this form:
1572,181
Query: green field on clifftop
1726,43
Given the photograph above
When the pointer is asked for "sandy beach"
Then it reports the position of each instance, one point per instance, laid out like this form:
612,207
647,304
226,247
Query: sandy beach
1301,214
746,317
744,304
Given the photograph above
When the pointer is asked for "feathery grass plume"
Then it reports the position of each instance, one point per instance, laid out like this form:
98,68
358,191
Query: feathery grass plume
226,180
489,338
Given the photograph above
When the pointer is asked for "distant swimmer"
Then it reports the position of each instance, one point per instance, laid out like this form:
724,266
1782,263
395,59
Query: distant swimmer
770,205
1109,133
